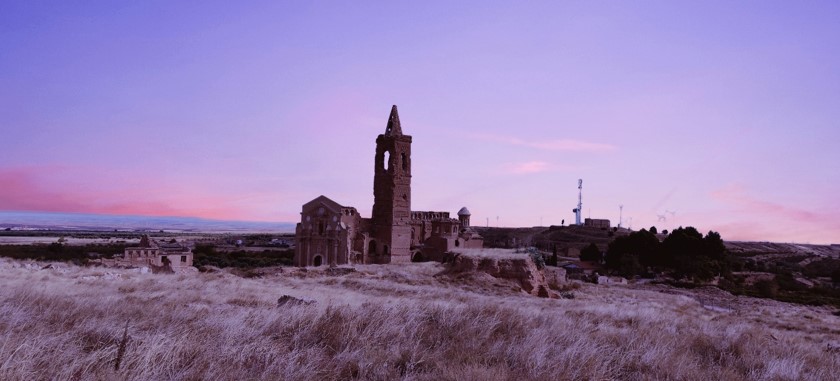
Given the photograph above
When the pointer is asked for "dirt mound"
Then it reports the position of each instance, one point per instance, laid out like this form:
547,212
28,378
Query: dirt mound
518,267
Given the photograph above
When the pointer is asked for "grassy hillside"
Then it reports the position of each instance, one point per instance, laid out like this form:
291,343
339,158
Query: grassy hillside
391,322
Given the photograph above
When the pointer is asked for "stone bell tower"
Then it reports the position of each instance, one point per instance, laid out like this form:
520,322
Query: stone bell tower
390,229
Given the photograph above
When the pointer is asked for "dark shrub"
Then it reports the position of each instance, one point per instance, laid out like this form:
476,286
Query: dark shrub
591,253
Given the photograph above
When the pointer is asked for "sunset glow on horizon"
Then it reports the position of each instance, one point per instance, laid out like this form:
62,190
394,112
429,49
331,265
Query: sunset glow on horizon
719,115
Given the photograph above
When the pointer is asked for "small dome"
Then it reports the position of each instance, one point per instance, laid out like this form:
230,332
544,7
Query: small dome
464,212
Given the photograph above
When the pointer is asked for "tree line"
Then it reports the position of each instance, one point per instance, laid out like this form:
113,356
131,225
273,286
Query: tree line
684,253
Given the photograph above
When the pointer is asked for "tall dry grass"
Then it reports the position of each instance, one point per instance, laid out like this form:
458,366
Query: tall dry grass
386,323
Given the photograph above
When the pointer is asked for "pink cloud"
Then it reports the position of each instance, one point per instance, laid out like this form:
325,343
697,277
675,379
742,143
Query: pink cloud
41,189
551,145
534,166
774,221
569,145
527,167
751,231
737,195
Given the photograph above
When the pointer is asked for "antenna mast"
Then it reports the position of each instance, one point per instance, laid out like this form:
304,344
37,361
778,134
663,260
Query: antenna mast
579,208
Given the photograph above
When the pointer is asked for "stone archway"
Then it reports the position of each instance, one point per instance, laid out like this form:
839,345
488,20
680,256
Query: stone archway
418,257
317,261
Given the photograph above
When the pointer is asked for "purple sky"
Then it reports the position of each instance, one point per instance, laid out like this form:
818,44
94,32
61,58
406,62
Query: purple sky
727,113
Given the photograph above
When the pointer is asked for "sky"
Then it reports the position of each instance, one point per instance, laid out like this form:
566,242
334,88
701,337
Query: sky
715,114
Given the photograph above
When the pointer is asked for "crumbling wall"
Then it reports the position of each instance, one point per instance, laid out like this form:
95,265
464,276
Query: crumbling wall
555,277
518,267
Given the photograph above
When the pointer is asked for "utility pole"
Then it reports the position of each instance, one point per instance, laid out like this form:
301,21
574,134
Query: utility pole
620,214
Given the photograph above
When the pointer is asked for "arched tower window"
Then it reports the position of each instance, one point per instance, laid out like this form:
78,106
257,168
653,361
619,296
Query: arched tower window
404,161
387,159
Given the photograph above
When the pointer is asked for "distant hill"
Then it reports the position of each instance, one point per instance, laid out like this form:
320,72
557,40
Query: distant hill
809,260
794,256
546,238
77,221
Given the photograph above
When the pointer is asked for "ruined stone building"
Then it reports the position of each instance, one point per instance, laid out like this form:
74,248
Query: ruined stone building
329,233
597,223
156,256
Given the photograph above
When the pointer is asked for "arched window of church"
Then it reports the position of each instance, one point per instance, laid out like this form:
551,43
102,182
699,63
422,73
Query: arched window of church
387,162
404,161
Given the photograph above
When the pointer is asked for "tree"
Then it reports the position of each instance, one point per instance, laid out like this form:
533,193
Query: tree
693,255
713,246
591,253
552,260
682,248
647,248
653,230
629,254
685,251
624,263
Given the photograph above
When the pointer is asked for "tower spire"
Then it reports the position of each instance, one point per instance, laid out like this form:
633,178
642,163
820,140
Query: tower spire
393,128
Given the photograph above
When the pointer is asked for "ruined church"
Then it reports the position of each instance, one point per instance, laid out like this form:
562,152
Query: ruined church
331,234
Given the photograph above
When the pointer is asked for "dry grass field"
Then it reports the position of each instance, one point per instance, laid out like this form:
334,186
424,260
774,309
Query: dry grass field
387,322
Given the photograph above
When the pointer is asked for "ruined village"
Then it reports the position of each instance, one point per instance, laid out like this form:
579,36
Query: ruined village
408,294
419,191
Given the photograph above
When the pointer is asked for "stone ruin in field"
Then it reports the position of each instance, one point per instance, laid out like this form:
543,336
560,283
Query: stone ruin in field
332,234
157,257
518,268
